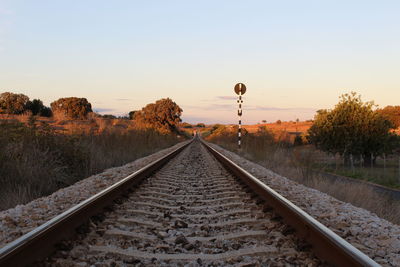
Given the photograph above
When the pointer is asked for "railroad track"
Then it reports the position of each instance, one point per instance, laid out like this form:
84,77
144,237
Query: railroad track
194,210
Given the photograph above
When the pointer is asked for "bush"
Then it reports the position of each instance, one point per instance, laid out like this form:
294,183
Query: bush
71,107
352,128
108,116
392,113
186,125
11,103
37,108
164,115
132,114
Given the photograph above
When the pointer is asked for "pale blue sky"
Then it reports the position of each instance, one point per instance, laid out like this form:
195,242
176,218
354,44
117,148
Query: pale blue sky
294,56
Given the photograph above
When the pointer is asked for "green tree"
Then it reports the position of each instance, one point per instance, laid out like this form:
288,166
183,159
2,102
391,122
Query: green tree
163,115
37,108
11,103
200,125
352,128
132,114
71,107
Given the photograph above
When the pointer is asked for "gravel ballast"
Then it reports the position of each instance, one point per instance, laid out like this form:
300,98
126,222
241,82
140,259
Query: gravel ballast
374,236
192,212
18,221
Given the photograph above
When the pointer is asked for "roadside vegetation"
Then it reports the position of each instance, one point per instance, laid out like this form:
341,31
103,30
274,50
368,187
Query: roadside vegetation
37,159
338,141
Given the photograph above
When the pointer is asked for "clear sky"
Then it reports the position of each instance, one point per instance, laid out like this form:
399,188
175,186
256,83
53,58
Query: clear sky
294,56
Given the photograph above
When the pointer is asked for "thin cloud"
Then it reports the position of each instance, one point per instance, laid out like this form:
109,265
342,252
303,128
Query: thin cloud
225,97
219,98
123,99
104,110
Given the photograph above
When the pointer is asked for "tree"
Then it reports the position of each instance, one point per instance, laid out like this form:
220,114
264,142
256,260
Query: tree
264,121
11,103
392,113
200,125
352,128
71,107
108,116
37,108
163,115
186,125
278,122
131,114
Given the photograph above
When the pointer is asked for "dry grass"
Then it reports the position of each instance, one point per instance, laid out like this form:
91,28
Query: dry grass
285,126
298,165
36,161
94,124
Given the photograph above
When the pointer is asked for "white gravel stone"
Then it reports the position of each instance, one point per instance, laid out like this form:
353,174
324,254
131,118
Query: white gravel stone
374,236
21,219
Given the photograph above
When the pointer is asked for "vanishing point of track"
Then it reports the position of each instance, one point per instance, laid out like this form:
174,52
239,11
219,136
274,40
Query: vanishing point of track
194,210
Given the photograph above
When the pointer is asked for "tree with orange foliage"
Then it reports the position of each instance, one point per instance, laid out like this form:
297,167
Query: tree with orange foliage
392,113
71,107
163,115
11,103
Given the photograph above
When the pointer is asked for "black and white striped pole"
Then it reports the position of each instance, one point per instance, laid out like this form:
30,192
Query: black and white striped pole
240,89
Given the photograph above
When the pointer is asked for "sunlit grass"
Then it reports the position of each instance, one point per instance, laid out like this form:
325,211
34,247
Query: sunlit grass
35,161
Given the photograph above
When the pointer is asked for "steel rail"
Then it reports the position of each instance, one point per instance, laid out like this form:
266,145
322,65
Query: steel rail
41,242
326,244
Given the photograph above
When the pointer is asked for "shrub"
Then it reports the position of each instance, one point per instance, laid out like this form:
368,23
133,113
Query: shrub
164,115
71,107
37,108
186,125
392,113
132,114
352,128
108,116
11,103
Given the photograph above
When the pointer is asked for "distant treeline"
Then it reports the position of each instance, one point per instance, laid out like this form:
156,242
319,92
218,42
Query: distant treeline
164,115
